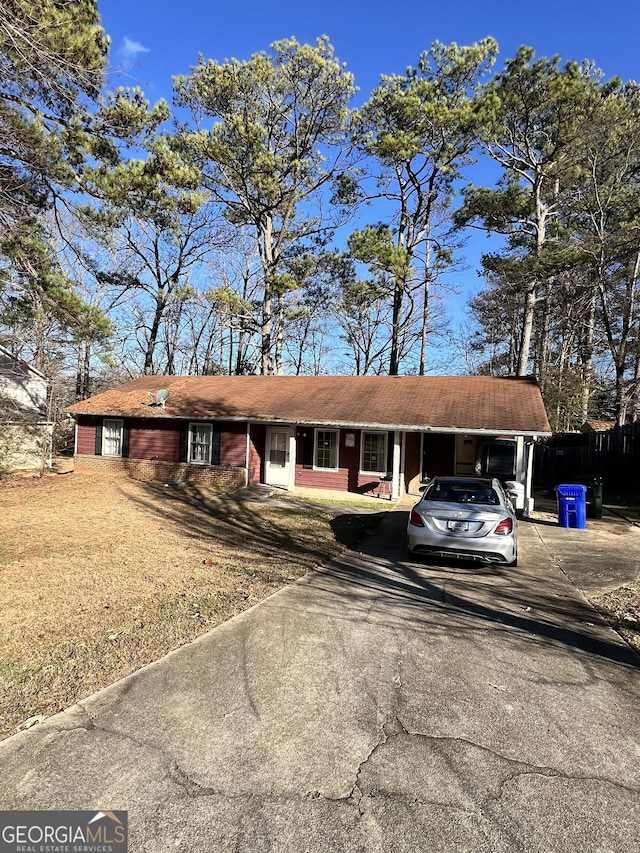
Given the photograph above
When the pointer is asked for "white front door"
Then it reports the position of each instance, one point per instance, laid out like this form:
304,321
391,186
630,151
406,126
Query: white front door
278,461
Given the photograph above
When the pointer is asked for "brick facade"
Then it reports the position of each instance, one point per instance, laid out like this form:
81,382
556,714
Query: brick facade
156,469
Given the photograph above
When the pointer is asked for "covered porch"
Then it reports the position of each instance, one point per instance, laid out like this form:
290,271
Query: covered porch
387,463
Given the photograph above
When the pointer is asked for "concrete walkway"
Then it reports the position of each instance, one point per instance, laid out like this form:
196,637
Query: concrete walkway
379,704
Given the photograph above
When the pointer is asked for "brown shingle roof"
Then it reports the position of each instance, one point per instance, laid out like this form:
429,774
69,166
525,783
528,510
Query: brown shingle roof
471,403
596,426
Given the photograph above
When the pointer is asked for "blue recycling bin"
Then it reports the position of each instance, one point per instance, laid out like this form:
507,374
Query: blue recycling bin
572,505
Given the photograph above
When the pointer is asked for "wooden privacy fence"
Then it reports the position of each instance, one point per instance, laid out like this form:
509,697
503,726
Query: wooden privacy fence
613,455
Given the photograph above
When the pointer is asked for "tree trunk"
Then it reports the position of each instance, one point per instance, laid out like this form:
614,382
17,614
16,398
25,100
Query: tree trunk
301,346
241,350
425,327
267,315
621,403
153,336
79,395
562,425
279,336
532,288
527,330
266,252
542,349
83,371
586,355
394,359
635,392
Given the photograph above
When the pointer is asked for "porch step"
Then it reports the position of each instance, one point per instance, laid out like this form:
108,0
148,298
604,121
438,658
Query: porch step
258,492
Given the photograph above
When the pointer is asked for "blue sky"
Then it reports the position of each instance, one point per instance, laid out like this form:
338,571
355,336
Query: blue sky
152,41
372,37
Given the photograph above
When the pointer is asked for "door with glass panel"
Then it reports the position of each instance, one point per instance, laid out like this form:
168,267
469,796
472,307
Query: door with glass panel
277,464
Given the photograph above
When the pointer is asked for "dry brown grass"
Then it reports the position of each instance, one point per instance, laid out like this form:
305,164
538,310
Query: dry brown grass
100,575
621,608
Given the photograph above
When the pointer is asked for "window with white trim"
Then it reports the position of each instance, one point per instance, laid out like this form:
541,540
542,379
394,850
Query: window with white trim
326,450
204,444
373,453
111,437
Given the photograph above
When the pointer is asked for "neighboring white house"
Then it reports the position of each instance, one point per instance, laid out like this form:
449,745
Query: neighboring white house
25,431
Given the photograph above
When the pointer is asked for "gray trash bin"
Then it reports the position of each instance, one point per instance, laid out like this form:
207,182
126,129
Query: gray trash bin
594,485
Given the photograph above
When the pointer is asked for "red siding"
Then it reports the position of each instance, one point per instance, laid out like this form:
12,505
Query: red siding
233,444
350,458
86,437
369,484
347,478
412,473
257,436
306,478
155,440
154,452
159,441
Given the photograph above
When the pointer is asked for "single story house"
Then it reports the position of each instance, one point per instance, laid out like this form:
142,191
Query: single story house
26,431
379,435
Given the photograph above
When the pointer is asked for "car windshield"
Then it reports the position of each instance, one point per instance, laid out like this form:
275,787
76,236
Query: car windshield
462,493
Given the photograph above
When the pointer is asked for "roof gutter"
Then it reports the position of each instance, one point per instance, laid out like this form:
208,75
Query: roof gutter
426,428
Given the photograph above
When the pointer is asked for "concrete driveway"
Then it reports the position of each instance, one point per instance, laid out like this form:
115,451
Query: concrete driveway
601,557
380,704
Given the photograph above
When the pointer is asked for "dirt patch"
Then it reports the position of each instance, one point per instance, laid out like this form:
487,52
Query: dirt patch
100,575
621,608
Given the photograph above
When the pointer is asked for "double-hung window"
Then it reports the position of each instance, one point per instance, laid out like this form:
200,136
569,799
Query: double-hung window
374,453
111,437
204,444
326,449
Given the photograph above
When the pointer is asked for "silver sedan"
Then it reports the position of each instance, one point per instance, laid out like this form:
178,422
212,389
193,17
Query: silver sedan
465,517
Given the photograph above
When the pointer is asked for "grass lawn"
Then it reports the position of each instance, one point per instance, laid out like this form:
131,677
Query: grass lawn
100,575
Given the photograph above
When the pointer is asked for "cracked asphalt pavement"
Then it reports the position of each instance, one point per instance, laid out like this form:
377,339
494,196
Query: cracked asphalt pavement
382,703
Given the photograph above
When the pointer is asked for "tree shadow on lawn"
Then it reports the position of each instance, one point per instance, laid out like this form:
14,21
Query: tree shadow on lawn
264,528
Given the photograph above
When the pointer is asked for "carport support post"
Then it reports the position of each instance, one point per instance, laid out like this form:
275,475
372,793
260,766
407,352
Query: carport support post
528,499
520,459
395,482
